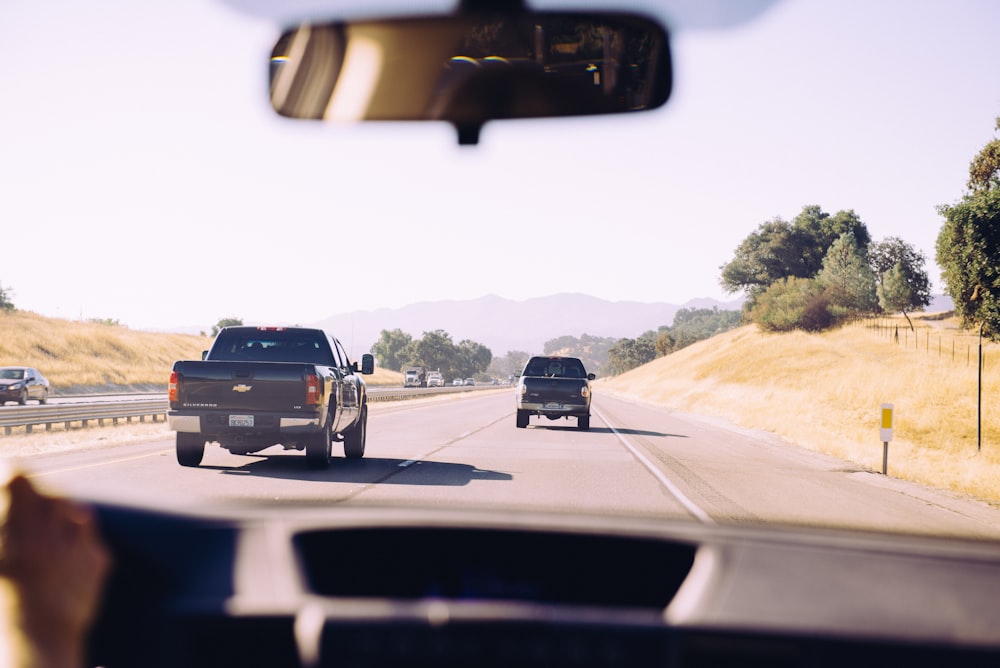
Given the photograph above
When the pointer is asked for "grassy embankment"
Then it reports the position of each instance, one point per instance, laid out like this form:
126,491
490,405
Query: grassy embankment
79,357
824,392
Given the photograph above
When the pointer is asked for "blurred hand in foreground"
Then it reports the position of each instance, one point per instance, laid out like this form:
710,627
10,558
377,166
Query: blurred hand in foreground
53,566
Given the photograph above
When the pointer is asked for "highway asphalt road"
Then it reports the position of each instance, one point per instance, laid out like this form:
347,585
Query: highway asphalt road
466,452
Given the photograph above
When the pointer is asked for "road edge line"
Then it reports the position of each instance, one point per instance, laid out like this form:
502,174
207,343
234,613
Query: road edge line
674,491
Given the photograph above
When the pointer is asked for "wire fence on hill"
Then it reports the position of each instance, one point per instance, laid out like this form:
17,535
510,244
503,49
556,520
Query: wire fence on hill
947,344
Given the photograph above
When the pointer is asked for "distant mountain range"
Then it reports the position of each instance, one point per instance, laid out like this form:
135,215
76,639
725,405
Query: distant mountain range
505,324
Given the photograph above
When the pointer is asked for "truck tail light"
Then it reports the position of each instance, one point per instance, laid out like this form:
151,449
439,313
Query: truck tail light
313,390
172,387
584,391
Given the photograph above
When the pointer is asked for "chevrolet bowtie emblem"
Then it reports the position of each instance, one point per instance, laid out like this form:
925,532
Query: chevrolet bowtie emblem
242,388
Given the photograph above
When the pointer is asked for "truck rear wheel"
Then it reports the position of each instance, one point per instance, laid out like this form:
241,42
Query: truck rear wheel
522,419
190,449
583,423
318,449
354,440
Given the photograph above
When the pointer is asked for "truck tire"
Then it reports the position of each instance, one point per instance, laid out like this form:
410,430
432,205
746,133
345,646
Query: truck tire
190,449
318,449
583,423
354,440
522,419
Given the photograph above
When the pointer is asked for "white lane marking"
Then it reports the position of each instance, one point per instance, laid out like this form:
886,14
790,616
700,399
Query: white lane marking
688,504
95,464
408,462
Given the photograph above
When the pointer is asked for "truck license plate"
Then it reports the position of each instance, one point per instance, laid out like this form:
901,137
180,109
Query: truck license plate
552,405
240,420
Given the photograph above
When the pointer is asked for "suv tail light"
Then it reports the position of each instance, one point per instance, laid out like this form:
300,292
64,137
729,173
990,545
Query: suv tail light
172,387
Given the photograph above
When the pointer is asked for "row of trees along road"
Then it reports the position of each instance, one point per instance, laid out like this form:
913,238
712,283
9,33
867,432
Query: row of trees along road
690,326
608,355
395,349
968,245
816,270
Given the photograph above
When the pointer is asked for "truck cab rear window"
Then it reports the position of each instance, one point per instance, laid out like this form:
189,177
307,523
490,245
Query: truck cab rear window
273,347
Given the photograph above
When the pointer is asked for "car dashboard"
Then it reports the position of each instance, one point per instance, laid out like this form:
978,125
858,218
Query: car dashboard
307,586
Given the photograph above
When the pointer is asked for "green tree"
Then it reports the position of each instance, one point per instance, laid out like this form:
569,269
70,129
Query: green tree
779,249
392,348
628,354
984,170
474,358
692,325
775,250
968,245
847,277
226,322
793,303
819,230
884,256
436,350
968,252
5,299
895,293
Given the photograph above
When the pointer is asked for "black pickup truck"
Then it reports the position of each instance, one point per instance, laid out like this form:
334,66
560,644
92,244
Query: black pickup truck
554,387
261,386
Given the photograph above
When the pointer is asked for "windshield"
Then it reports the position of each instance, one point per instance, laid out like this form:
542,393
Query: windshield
13,374
152,189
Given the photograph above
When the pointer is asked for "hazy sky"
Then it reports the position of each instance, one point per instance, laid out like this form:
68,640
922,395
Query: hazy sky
144,178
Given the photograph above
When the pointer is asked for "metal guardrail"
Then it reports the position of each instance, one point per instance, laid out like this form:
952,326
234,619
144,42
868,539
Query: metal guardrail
100,412
400,393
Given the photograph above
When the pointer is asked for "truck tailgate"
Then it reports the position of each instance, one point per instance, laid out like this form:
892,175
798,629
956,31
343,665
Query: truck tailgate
554,390
244,386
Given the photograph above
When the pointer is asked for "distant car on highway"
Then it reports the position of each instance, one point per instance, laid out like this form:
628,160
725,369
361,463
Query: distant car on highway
458,382
471,382
21,384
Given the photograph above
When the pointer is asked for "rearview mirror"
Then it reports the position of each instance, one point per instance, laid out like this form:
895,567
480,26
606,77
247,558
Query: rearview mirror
468,69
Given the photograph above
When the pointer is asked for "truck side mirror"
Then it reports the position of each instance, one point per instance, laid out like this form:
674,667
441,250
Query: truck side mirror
367,364
204,354
591,376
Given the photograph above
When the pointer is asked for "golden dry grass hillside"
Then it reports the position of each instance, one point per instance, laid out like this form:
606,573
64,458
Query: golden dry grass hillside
824,392
88,356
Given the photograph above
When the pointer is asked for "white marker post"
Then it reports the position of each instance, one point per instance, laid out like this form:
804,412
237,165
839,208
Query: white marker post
886,433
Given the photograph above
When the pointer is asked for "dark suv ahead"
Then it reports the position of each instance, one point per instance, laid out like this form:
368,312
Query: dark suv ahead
554,387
